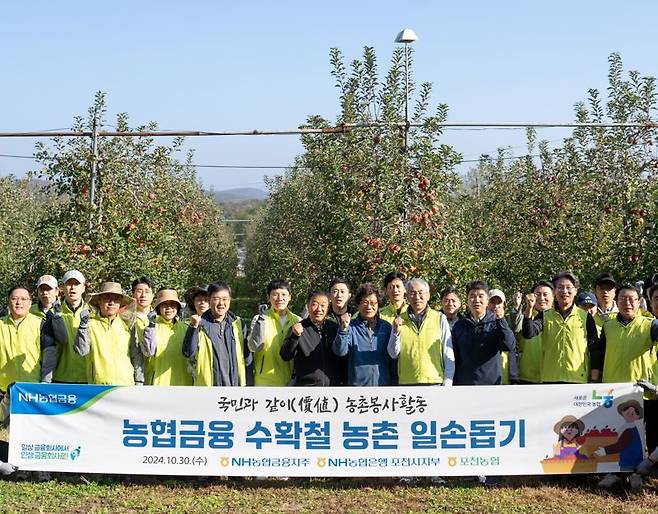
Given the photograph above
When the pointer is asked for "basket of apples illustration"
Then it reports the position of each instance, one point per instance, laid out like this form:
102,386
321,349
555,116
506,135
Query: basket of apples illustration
596,438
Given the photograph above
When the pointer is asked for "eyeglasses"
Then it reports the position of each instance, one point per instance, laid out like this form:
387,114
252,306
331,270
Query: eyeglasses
418,294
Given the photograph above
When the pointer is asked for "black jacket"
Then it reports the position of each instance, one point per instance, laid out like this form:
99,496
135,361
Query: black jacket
315,364
477,347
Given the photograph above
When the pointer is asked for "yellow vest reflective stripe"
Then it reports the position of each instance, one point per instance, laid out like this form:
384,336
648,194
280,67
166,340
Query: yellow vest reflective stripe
108,361
629,354
168,367
271,369
389,312
20,350
421,351
204,358
565,357
71,367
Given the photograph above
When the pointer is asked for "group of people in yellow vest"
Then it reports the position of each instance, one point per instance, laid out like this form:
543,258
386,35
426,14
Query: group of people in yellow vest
370,337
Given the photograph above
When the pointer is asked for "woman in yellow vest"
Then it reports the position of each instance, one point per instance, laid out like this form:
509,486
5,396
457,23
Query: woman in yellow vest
571,351
268,331
113,356
215,343
162,343
26,355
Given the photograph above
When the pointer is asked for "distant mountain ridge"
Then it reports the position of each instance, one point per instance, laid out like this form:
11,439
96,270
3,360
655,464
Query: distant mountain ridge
240,194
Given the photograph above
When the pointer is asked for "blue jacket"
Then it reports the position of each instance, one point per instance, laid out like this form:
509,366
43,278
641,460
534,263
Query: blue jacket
368,362
477,347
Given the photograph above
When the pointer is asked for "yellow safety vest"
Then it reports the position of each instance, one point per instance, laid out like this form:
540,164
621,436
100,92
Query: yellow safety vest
271,369
599,318
71,367
530,358
20,350
421,351
168,367
205,356
565,357
108,361
389,312
36,310
629,351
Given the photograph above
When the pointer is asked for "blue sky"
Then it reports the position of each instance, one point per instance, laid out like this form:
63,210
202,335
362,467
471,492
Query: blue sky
245,65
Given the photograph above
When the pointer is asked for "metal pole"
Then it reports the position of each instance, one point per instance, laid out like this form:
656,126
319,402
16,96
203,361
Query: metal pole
94,161
406,97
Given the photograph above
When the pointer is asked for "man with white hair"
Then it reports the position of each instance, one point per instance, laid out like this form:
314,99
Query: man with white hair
424,349
424,346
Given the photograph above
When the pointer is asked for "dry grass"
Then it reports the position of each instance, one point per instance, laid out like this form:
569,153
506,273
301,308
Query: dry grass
160,494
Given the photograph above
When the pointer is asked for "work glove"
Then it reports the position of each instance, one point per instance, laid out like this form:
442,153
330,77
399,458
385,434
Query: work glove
646,385
7,469
84,318
57,308
262,309
151,317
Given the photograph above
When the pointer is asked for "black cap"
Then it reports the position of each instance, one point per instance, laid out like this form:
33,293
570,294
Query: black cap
604,278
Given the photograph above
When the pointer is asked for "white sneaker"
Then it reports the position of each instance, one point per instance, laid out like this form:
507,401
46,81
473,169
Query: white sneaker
609,481
437,481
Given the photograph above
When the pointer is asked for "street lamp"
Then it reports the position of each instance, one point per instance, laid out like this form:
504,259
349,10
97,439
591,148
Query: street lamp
406,36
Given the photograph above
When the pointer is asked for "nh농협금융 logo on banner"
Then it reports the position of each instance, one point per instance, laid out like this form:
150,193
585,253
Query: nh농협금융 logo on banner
55,399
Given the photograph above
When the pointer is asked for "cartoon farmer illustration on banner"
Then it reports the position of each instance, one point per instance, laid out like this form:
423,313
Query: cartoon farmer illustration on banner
629,445
568,429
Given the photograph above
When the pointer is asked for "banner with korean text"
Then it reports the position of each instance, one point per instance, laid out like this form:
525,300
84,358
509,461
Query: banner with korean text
342,431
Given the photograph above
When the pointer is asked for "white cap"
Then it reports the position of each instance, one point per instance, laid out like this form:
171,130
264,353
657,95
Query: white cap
498,293
48,280
73,274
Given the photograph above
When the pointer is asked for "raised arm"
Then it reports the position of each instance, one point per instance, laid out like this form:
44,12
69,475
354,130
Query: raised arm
81,342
